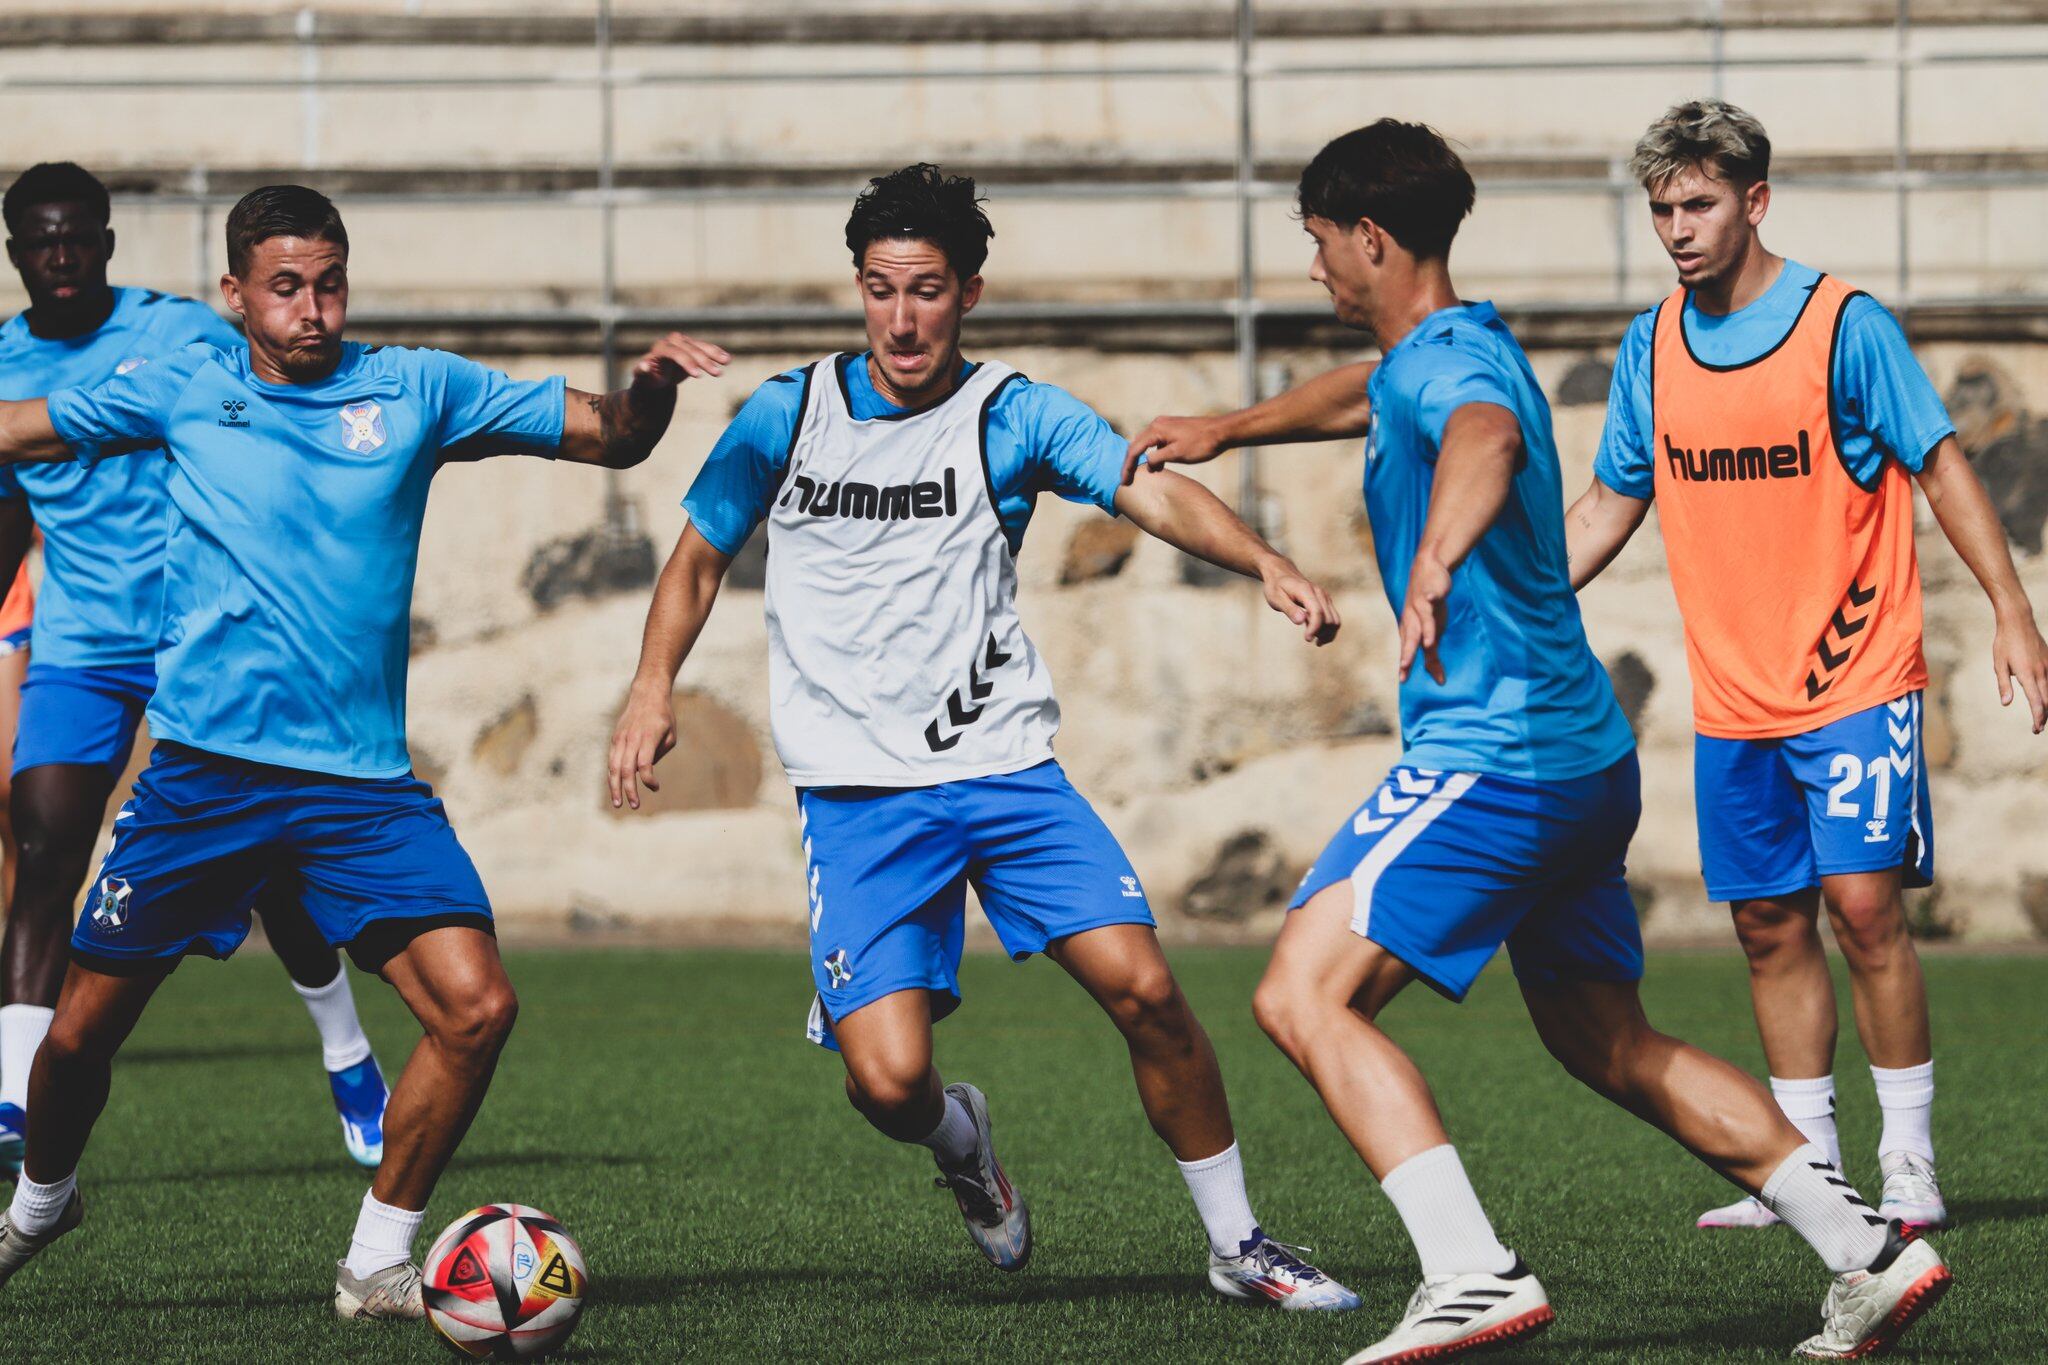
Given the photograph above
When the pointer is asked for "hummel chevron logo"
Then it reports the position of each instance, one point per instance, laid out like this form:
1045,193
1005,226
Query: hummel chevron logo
958,710
1900,707
1902,735
1415,783
1844,626
1412,785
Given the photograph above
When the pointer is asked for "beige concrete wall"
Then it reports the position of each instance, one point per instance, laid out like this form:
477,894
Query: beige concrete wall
1221,749
1829,95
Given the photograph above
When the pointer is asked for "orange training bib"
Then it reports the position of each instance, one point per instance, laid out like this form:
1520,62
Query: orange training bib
1800,589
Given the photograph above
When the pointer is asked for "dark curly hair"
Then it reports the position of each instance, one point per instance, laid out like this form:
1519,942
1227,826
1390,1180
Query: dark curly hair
924,203
54,182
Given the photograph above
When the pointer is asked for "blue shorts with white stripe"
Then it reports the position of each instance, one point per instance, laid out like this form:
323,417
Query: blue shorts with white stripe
1446,867
1777,815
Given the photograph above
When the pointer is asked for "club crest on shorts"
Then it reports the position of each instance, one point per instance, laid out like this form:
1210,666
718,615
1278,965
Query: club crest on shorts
836,968
362,427
110,912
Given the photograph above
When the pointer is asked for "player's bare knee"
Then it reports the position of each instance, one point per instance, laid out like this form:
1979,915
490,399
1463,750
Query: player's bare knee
1150,1004
1276,1004
1768,930
480,1025
1871,931
75,1040
883,1091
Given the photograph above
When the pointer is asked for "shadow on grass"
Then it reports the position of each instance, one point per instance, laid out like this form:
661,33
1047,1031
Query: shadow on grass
1774,1331
144,1054
339,1165
644,1291
1966,1211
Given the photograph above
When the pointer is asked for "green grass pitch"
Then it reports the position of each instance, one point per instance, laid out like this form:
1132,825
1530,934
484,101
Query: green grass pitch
734,1208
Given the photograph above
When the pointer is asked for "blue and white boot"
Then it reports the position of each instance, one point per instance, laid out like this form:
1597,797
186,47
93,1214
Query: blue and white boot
359,1097
13,1134
1266,1271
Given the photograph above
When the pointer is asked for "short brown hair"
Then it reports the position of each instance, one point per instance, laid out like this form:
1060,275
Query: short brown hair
281,211
1403,176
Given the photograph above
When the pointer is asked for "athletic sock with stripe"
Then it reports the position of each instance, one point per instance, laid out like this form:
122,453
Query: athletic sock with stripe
1818,1204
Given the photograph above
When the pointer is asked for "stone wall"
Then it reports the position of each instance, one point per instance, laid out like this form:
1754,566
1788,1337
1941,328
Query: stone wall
1220,748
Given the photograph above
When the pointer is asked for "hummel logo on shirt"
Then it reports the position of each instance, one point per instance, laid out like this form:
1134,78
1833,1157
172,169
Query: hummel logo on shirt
1723,464
866,502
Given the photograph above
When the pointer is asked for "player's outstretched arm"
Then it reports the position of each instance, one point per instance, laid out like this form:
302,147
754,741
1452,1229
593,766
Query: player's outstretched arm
682,603
1182,513
26,435
1960,504
1596,527
618,430
1330,407
1475,466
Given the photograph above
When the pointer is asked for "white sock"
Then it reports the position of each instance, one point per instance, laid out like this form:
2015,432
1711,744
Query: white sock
36,1208
1810,1104
21,1032
955,1141
1437,1205
1818,1204
1217,1183
383,1238
1906,1094
342,1040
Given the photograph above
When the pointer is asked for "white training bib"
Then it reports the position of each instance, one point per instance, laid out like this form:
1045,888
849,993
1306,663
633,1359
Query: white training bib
896,658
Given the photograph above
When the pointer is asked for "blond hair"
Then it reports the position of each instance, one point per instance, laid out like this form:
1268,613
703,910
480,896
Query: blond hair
1712,135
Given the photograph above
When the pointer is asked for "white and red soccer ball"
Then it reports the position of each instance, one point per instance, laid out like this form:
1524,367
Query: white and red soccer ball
505,1282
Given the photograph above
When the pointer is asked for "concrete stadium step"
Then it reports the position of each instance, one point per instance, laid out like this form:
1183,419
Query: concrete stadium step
571,21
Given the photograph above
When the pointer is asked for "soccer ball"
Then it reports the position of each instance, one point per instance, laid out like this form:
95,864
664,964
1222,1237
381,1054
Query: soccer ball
505,1282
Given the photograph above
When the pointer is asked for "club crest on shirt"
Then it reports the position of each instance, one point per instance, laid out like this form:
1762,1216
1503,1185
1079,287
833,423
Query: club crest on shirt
362,427
133,362
111,911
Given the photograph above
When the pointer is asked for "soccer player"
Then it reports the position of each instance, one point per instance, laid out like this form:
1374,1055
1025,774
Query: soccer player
916,719
1509,813
96,633
299,473
1775,415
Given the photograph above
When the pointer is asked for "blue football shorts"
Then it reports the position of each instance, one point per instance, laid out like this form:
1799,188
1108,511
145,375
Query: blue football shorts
374,860
889,870
1445,867
81,715
1777,815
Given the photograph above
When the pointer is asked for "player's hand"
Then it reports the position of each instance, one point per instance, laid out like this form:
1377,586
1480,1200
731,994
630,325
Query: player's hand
646,730
1422,617
674,358
2019,655
1175,440
1300,601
